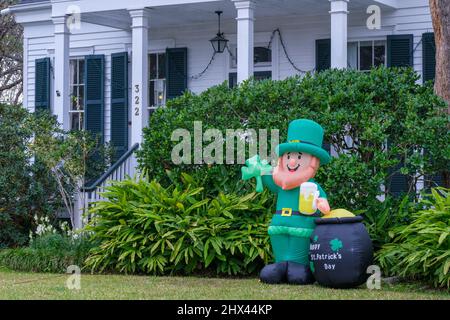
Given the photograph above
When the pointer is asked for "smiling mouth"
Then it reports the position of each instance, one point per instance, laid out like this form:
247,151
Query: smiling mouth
293,169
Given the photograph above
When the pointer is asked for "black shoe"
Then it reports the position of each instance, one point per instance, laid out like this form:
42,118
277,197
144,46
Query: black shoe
299,274
274,273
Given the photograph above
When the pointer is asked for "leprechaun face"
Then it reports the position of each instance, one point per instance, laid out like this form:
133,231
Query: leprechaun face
294,168
295,161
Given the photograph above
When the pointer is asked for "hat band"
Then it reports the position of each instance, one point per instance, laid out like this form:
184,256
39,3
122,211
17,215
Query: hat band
301,141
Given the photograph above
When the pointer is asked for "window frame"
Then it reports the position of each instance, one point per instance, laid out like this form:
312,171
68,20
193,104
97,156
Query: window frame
151,106
358,56
80,83
259,66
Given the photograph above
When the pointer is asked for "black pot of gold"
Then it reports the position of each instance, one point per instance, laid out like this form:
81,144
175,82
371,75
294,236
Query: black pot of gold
340,250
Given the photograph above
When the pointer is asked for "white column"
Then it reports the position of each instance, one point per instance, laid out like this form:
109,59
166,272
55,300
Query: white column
245,35
275,57
339,33
139,69
61,88
25,74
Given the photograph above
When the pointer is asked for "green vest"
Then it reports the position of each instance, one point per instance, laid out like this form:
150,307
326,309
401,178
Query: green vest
290,199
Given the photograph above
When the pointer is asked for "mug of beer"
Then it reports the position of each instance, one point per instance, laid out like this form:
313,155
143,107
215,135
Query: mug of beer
308,198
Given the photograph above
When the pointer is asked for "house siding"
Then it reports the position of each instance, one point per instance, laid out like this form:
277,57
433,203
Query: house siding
413,17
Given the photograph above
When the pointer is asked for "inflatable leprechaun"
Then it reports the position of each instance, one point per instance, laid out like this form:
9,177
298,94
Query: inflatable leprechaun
300,200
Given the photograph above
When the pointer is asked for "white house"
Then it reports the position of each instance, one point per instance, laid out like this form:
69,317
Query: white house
104,65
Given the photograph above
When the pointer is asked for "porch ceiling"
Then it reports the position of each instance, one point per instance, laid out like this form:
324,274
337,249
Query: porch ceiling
197,13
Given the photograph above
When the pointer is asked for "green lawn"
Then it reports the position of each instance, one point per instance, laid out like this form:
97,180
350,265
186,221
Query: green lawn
15,285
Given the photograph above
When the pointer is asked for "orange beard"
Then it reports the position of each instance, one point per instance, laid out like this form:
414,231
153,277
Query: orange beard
290,180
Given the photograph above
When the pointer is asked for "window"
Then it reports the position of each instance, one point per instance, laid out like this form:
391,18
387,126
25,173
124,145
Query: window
262,64
364,55
262,57
76,111
157,76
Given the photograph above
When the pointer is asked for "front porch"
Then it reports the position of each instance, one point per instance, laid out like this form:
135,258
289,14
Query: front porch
160,60
147,34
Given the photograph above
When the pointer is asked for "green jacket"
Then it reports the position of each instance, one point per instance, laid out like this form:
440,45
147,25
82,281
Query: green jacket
290,199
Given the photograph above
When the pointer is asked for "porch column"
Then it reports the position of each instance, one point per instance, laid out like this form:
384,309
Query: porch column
25,73
339,33
61,90
139,69
245,34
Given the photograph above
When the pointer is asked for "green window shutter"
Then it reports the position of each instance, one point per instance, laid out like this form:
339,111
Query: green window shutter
433,180
94,74
176,71
428,56
399,183
42,84
400,50
232,79
119,103
323,54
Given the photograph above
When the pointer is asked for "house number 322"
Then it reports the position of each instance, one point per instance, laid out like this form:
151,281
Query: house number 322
136,100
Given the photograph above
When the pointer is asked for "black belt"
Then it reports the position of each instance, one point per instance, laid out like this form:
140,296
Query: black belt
287,212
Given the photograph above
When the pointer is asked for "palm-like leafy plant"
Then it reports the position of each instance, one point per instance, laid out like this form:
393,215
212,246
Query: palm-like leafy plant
422,249
144,227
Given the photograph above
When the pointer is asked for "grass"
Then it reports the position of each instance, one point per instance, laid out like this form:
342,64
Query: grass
14,285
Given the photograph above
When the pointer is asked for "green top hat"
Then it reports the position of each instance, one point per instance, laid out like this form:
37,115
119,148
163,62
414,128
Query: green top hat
305,136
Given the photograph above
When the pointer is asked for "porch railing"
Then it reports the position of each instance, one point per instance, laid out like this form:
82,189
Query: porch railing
124,167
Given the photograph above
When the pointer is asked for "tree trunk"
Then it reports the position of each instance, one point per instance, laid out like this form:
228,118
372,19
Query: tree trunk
440,13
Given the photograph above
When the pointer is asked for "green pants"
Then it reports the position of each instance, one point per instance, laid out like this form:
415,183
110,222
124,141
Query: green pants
290,243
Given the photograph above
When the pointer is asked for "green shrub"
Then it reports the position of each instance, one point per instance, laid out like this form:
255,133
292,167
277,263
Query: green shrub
144,227
72,157
421,249
40,168
370,108
48,253
378,224
26,188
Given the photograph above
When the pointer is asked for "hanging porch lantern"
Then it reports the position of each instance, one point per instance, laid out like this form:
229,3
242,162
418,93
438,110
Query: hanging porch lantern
219,42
